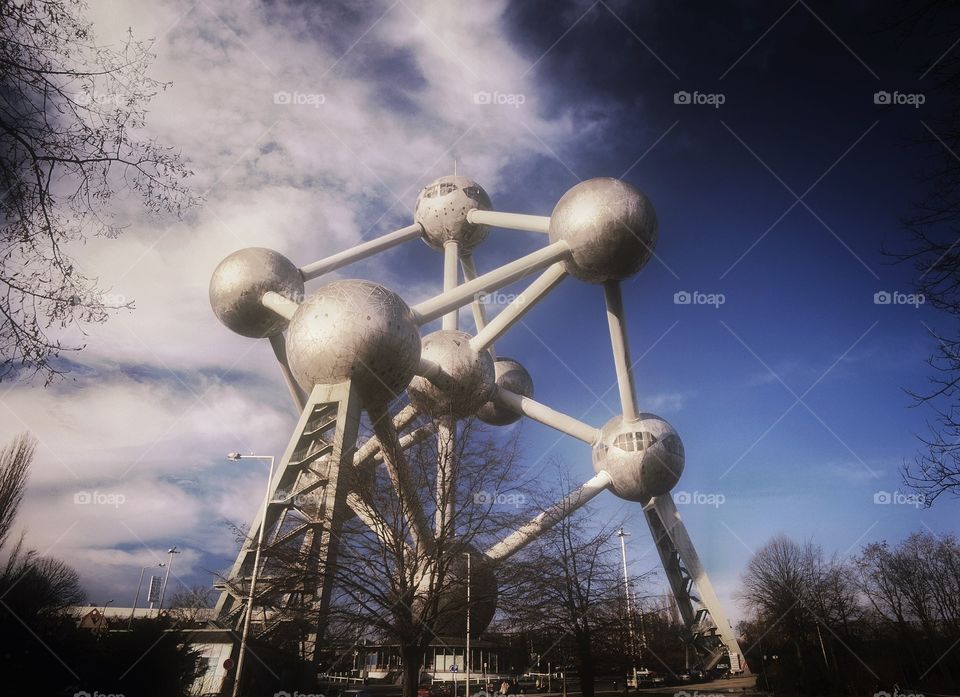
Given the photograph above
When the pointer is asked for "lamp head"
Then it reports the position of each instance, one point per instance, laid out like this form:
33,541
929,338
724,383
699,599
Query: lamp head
234,456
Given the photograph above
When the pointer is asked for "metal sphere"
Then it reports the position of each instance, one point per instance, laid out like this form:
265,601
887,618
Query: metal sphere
240,280
611,228
643,458
464,381
514,377
452,605
355,330
442,209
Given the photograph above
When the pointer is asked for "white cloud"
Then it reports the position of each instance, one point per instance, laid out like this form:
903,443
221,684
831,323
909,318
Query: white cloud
166,390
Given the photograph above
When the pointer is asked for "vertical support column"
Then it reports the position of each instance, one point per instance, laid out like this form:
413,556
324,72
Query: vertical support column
621,349
446,426
446,475
451,257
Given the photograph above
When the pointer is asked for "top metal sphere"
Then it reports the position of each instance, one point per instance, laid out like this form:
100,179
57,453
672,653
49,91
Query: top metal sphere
514,377
643,458
240,280
463,382
611,228
442,209
355,330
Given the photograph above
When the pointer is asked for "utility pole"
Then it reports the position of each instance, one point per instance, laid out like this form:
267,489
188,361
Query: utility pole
467,659
626,589
163,589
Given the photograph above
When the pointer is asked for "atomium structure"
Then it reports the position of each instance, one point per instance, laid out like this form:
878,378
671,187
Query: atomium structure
354,345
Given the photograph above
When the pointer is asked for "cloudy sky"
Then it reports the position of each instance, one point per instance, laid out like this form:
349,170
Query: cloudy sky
754,130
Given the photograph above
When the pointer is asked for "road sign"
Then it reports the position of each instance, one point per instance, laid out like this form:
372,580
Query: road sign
228,664
454,668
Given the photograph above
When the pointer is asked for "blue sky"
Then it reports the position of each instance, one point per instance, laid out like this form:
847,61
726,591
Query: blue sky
160,394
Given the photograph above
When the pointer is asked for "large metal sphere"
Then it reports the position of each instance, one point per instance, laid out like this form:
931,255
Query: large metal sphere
611,228
240,280
643,458
452,605
465,379
442,209
514,377
355,330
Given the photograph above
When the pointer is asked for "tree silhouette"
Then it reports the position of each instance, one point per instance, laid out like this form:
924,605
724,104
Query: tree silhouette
72,115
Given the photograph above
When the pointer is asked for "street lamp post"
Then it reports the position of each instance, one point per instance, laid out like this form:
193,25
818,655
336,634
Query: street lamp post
163,589
467,661
626,589
103,616
136,598
256,565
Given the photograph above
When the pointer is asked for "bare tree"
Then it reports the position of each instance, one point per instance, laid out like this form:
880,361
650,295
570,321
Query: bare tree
390,581
72,115
933,230
570,583
915,588
32,587
191,605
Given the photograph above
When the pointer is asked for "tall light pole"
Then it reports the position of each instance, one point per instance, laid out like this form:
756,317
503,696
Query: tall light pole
467,661
626,590
103,616
136,598
256,565
163,589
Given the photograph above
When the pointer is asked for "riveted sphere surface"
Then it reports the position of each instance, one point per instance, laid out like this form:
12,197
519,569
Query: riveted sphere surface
514,377
240,280
643,458
611,228
442,209
452,605
465,379
355,330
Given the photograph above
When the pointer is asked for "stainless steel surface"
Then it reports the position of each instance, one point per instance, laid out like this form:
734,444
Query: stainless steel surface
611,228
644,458
510,375
460,379
442,209
239,283
601,231
354,330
